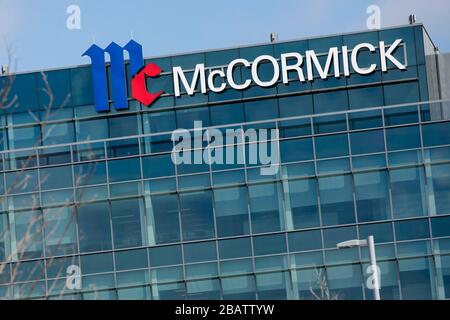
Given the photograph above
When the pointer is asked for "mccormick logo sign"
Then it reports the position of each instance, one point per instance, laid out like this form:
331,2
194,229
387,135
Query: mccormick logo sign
337,64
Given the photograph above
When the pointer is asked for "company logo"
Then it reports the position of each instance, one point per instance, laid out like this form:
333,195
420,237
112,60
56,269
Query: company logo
290,66
138,72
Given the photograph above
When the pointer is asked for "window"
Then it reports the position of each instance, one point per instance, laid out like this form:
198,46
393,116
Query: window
127,221
24,137
22,181
122,170
94,227
345,282
92,129
360,145
227,114
97,263
198,252
59,82
261,110
365,97
266,208
401,93
272,286
330,101
382,232
270,244
441,227
441,187
403,138
131,259
187,117
305,240
29,237
82,84
415,279
408,192
235,248
239,288
436,134
295,106
90,173
162,216
412,229
58,133
165,256
231,211
123,126
197,215
56,178
160,121
333,236
303,203
60,231
4,250
158,166
331,146
372,196
336,197
296,150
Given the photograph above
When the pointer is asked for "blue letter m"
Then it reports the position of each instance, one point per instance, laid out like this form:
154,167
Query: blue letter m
118,78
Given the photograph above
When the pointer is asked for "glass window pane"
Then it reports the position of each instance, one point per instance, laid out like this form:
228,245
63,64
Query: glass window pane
165,256
305,240
412,229
198,252
29,237
163,216
235,248
56,178
231,211
331,146
266,208
127,219
122,170
239,288
345,282
403,138
227,114
94,227
359,142
372,196
197,215
336,200
440,187
131,259
408,192
303,203
415,278
60,231
270,244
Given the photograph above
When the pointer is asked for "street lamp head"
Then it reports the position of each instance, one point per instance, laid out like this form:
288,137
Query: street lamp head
351,244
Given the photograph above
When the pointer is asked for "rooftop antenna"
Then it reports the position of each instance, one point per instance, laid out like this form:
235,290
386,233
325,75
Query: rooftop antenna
412,19
273,37
132,35
5,69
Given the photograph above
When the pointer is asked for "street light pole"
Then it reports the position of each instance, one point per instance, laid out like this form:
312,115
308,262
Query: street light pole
373,263
370,243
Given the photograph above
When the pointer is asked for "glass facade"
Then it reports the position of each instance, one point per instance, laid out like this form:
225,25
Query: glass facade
360,155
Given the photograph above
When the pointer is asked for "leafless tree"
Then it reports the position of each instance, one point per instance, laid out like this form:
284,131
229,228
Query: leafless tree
34,232
323,291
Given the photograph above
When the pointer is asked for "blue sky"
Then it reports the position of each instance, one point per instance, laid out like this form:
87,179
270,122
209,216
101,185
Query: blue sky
36,33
